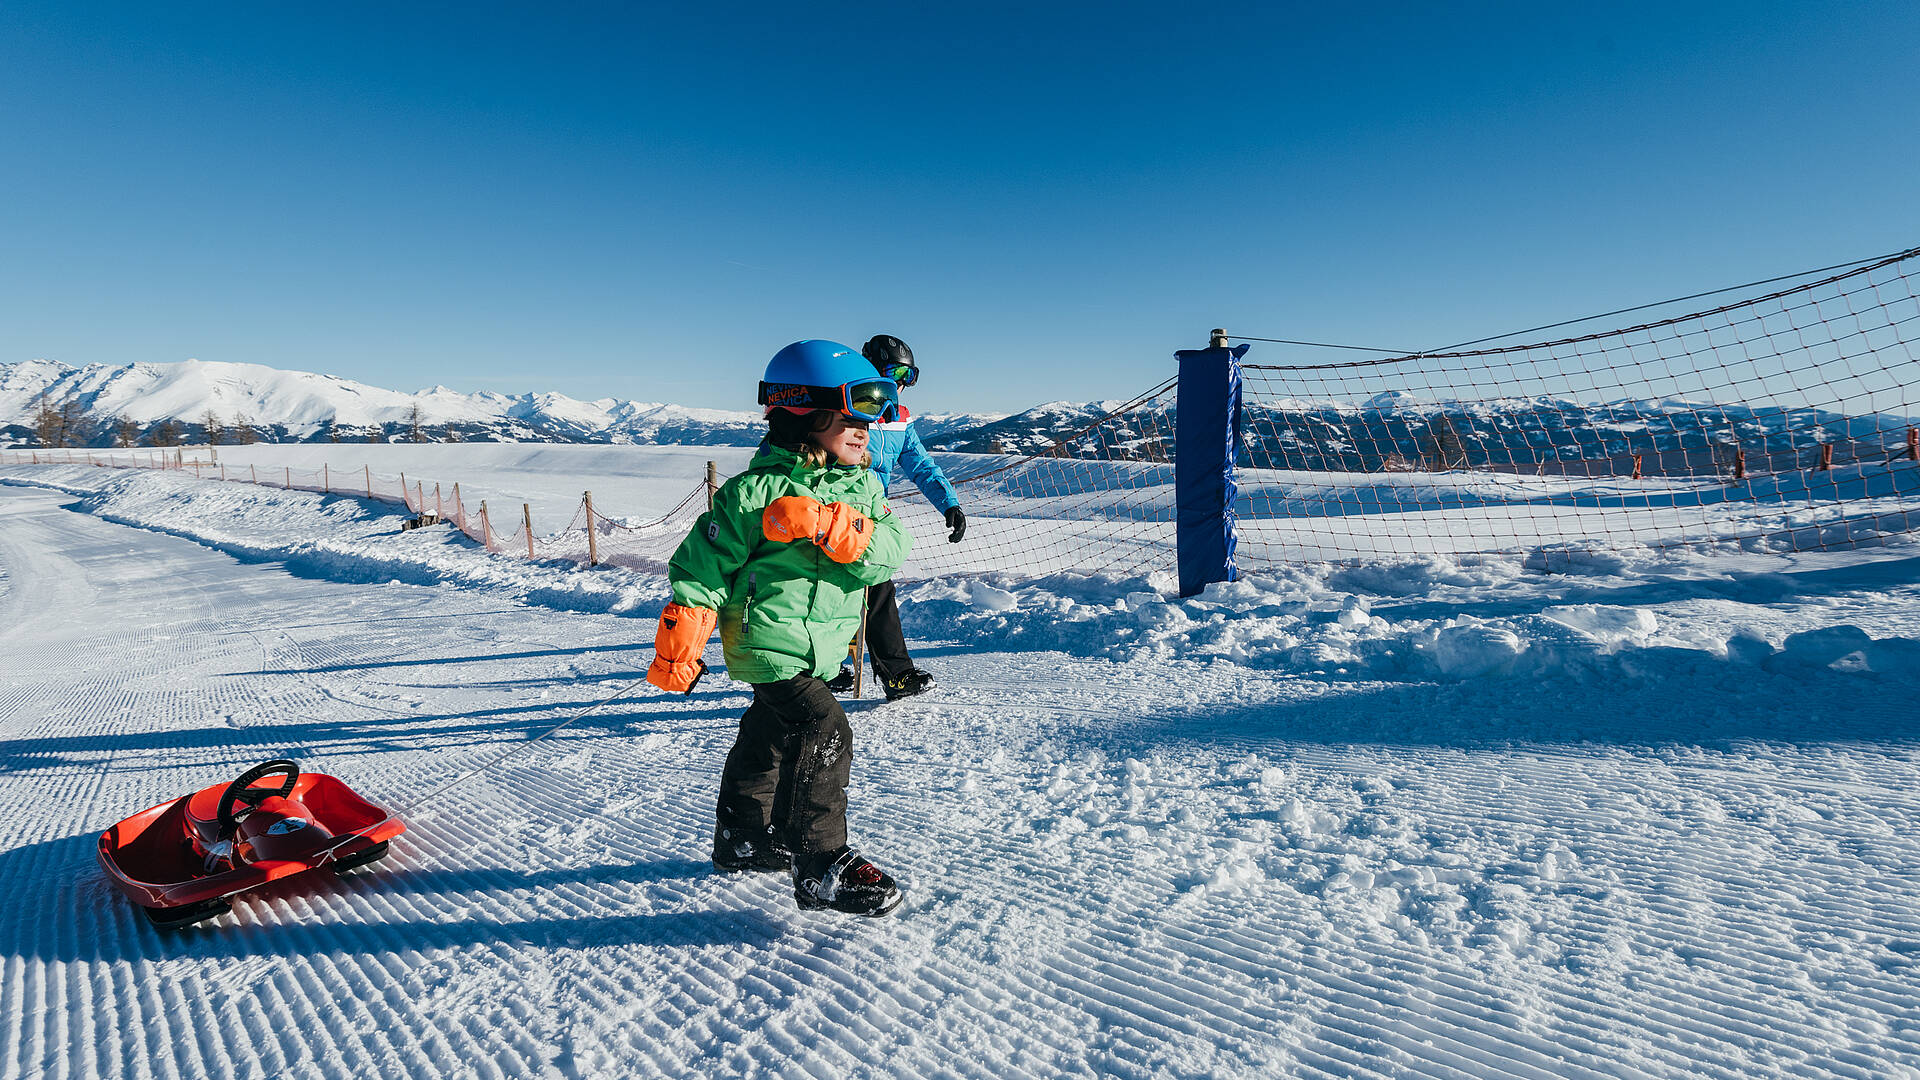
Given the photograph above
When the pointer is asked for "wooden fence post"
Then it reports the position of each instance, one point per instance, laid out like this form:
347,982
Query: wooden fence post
1636,466
486,527
712,484
1739,465
459,510
369,471
420,495
438,510
593,549
1913,444
1826,457
254,473
326,478
526,518
289,484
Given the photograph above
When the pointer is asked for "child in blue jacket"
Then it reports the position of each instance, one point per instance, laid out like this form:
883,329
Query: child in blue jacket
896,445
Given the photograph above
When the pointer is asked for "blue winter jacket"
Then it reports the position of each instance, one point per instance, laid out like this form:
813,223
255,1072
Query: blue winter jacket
898,444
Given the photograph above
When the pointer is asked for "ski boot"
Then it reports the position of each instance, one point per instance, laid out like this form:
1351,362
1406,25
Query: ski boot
735,850
908,683
843,682
843,881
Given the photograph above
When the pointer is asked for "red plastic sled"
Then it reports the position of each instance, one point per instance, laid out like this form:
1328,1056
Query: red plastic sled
179,861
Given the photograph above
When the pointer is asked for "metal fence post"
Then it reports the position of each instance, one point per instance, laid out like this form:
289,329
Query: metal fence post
1206,453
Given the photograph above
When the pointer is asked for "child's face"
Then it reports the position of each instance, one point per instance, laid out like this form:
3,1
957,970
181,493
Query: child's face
845,439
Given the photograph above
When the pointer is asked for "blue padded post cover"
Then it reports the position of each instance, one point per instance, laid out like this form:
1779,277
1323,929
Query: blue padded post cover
1206,440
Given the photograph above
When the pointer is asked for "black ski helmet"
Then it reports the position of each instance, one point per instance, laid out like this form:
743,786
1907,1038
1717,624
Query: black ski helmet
891,357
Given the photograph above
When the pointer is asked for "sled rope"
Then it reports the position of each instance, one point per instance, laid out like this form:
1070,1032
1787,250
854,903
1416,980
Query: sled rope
407,809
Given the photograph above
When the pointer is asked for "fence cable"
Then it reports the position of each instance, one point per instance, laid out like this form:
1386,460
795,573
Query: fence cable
1447,351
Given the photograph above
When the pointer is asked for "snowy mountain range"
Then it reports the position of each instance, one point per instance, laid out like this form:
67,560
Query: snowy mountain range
1390,431
299,406
1546,435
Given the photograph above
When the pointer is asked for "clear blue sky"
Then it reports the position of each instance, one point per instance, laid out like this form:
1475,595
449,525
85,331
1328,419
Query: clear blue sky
645,201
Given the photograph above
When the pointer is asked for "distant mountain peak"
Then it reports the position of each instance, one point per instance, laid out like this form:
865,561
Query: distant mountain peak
301,406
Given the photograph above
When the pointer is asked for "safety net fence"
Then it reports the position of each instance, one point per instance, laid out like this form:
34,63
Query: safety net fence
1099,498
1780,422
507,530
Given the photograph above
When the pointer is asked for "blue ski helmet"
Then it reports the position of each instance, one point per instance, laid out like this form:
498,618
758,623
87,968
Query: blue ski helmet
818,374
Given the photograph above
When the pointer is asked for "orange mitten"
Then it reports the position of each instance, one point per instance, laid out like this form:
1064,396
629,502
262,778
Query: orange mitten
844,532
677,647
791,517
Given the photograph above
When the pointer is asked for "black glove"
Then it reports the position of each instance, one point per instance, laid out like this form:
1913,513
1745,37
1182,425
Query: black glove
956,521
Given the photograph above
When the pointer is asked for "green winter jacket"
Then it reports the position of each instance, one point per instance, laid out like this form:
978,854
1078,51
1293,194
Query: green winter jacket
786,608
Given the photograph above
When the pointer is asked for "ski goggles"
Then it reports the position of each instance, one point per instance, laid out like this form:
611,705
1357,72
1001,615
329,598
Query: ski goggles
903,374
875,400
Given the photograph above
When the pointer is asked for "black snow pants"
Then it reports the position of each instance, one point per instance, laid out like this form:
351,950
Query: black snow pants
789,766
886,642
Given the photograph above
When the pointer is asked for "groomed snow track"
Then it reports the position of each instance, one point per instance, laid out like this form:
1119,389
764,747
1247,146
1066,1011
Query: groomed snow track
1171,870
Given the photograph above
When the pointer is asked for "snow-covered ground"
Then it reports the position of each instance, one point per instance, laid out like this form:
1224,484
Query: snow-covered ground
1434,816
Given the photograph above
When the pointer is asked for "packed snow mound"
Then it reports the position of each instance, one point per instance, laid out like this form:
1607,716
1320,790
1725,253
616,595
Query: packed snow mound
1441,619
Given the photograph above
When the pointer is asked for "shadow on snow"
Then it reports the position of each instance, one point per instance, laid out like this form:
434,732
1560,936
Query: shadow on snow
70,913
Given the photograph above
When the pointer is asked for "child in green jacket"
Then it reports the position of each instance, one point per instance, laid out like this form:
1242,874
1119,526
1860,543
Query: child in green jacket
780,563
